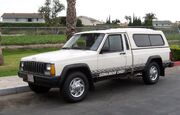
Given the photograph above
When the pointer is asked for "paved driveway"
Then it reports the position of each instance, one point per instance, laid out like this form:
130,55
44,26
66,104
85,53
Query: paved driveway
113,97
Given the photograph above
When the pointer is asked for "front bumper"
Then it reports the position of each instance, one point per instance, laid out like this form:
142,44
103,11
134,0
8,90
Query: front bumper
41,80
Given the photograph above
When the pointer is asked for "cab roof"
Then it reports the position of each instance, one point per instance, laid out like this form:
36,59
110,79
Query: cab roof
122,30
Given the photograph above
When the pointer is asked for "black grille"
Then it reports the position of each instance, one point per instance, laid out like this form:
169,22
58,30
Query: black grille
35,67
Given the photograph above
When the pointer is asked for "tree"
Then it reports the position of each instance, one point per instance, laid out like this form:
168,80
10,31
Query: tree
149,18
63,22
133,21
1,55
116,21
136,21
71,18
129,20
108,20
50,11
79,23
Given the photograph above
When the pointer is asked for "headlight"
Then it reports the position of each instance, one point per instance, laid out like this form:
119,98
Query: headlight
50,70
48,67
21,66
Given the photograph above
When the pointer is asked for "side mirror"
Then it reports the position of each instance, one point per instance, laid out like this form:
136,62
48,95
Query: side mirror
104,50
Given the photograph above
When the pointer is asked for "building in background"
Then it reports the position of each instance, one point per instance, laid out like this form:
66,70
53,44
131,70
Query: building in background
87,21
177,22
162,24
22,18
123,24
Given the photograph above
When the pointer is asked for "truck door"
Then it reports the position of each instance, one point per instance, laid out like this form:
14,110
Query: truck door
112,58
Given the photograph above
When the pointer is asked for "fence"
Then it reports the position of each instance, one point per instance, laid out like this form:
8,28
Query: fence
61,30
172,34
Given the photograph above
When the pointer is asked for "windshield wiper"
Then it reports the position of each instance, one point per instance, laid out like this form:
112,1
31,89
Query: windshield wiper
78,48
66,48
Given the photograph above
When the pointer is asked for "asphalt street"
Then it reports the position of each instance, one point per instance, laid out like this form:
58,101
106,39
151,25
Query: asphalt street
111,97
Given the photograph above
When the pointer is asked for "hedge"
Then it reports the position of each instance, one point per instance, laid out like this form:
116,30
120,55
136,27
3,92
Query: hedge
23,25
176,52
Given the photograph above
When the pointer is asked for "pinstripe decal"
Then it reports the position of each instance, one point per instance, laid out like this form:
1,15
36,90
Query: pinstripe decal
116,70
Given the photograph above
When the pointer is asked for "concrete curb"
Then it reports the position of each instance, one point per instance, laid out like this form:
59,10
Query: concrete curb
14,90
177,63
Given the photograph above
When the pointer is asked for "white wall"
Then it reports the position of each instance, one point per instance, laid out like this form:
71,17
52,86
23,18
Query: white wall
23,21
8,20
38,21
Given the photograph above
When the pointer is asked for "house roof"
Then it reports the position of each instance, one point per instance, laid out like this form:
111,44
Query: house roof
91,19
21,15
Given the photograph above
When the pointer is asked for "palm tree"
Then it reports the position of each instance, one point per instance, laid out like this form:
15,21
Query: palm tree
1,55
129,20
149,19
150,16
71,18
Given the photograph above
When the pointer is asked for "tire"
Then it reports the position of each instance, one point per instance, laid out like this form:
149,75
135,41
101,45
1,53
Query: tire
151,74
39,89
75,87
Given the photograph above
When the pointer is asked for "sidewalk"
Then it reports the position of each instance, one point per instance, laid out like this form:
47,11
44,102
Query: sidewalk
12,85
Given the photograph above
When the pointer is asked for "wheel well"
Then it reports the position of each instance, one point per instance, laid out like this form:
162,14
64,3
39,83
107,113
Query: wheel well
84,70
159,62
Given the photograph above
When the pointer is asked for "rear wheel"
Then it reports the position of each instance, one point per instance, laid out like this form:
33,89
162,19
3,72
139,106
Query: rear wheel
76,87
151,74
38,89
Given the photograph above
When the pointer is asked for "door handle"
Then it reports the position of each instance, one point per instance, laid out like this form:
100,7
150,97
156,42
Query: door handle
123,53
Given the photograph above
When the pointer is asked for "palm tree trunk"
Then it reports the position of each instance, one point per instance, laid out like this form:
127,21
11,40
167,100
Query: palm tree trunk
71,18
1,55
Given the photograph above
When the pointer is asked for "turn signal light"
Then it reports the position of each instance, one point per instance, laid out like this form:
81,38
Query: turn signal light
52,71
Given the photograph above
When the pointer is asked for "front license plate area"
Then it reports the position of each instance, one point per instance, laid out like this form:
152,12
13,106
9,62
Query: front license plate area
30,78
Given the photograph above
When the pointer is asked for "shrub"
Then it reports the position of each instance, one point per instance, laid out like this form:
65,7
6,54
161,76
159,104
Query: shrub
176,52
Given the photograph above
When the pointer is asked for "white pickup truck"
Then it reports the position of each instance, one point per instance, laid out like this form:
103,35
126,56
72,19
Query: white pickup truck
97,55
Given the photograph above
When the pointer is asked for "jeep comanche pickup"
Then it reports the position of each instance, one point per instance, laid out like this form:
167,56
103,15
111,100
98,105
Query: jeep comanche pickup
97,55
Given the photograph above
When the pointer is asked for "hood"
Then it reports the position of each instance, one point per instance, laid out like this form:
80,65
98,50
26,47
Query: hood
54,56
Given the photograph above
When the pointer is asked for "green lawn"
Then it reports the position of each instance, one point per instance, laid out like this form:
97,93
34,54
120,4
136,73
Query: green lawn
173,36
12,58
32,39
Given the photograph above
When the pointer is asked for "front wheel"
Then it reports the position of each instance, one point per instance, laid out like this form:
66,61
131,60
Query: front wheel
76,87
151,74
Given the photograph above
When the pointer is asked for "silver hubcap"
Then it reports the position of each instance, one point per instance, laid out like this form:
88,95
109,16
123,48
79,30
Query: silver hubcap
77,87
153,73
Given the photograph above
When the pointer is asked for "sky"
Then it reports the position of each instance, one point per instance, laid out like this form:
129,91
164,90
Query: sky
101,9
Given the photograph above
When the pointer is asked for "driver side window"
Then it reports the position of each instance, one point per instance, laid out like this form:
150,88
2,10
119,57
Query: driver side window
113,44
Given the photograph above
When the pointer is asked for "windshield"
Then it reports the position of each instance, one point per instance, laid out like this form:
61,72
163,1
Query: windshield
90,41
